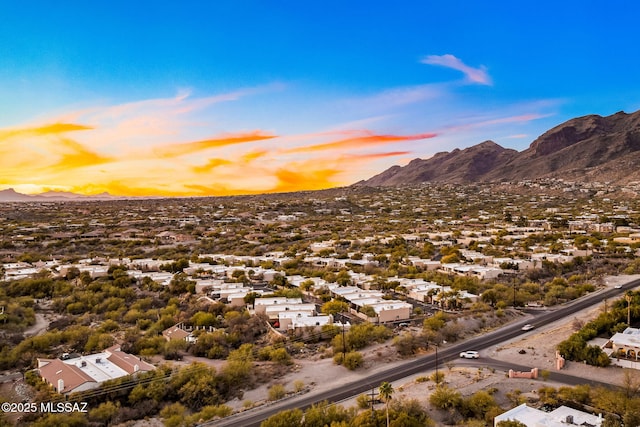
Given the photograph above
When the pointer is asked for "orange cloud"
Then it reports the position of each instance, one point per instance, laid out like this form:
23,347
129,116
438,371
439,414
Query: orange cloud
218,190
254,155
57,128
211,164
176,150
127,189
361,141
75,155
54,129
304,179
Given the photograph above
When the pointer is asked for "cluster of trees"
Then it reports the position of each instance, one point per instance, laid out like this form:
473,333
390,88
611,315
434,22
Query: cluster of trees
346,343
479,406
16,314
91,311
606,324
435,329
398,413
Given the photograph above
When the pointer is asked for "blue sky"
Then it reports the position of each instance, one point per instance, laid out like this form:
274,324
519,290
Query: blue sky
184,99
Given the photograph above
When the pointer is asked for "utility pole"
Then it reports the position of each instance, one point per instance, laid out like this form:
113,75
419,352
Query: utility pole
437,375
373,415
344,342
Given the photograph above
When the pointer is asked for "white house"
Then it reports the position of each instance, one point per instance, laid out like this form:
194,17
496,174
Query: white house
260,304
560,417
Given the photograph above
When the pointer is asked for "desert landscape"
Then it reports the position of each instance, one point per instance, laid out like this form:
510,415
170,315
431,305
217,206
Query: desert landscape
535,349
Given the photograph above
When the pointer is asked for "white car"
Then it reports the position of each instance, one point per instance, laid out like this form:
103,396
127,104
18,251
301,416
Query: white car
470,354
527,327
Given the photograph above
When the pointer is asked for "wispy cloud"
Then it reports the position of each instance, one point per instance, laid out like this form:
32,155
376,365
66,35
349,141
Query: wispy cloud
211,164
400,96
478,122
473,75
371,156
253,155
52,129
74,155
45,150
366,139
130,126
180,149
521,118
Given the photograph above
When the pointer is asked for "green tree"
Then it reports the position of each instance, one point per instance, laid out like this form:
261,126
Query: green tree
325,414
368,311
288,418
386,392
181,284
478,405
334,307
353,360
197,385
105,413
75,419
445,398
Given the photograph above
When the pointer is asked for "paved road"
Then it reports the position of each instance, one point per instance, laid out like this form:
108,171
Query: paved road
254,417
558,377
10,377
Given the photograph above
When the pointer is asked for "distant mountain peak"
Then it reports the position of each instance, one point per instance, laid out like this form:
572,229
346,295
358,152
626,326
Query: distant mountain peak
10,195
584,148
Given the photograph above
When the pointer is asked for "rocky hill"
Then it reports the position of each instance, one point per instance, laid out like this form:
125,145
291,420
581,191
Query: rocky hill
589,148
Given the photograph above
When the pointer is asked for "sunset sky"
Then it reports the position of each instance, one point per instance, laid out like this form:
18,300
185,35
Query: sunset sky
202,98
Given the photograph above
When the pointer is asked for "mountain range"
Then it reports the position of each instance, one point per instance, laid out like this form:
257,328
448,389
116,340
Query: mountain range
10,195
583,149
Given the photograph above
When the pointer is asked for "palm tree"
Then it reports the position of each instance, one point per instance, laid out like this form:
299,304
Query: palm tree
386,391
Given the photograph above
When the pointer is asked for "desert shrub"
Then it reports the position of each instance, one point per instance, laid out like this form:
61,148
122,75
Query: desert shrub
445,398
353,360
276,392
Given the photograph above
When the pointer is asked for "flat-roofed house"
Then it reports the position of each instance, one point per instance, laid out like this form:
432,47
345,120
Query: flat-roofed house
274,311
391,311
260,304
300,319
559,417
626,344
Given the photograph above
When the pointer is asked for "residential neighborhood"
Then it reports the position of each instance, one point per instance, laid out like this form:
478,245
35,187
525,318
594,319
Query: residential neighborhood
94,293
